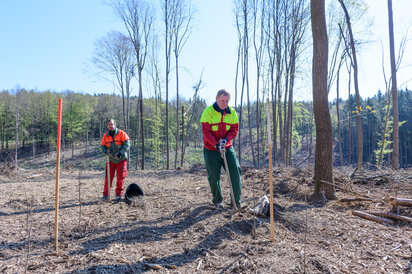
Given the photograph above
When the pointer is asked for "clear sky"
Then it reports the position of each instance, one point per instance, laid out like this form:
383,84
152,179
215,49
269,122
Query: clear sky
48,44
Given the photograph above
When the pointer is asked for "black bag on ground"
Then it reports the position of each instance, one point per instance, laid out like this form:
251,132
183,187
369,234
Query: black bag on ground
133,190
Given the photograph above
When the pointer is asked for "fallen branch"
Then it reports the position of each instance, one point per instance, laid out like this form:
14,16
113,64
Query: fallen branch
392,216
355,200
371,217
400,202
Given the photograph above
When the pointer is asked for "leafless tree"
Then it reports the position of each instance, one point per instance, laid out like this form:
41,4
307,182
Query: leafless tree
17,120
275,69
395,113
191,109
181,19
323,176
259,12
138,18
242,14
167,9
388,85
357,95
113,55
156,82
297,18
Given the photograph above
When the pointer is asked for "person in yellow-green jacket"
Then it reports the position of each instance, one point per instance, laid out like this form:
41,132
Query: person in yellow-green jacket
115,143
220,125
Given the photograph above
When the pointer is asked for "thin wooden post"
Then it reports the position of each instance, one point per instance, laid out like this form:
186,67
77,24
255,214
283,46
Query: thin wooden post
272,225
108,177
56,204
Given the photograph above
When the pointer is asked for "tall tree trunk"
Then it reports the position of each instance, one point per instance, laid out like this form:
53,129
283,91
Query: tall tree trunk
17,132
87,137
395,144
177,109
2,137
357,96
182,157
323,151
137,134
338,115
349,122
141,114
34,147
290,105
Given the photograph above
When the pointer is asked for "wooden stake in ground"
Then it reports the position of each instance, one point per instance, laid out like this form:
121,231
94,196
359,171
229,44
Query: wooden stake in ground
272,225
56,204
108,177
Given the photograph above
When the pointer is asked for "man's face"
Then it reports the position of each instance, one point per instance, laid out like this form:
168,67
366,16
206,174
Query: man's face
111,126
222,101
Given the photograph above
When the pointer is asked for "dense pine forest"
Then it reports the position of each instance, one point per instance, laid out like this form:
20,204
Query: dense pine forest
29,118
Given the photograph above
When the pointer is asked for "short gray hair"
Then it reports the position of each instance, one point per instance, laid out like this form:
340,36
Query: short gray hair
111,120
223,92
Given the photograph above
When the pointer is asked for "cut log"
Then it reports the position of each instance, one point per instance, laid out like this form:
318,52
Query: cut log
371,217
355,200
400,202
392,216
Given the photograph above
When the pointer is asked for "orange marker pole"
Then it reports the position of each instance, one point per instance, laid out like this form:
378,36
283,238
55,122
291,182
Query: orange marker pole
56,205
272,225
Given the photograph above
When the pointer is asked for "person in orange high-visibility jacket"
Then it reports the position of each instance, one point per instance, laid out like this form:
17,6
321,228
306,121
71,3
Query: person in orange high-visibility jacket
115,143
220,125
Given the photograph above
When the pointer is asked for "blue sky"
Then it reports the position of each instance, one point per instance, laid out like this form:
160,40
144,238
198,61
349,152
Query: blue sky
48,44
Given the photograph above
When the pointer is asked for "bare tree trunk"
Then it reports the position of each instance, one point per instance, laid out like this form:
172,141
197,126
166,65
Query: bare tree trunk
168,46
182,157
357,96
137,134
177,110
17,131
87,137
338,115
395,144
281,139
141,114
34,147
323,152
290,106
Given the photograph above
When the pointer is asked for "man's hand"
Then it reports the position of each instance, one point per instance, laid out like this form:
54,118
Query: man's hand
107,152
222,144
118,155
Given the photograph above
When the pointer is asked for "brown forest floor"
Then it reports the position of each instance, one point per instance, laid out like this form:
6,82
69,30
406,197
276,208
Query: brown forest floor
174,229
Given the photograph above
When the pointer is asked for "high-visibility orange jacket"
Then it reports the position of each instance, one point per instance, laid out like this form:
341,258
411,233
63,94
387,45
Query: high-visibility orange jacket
118,143
219,124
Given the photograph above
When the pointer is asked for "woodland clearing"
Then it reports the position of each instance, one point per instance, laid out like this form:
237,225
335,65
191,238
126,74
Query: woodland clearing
174,228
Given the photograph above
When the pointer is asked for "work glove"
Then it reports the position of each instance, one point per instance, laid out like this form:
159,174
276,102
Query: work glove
107,152
118,155
222,144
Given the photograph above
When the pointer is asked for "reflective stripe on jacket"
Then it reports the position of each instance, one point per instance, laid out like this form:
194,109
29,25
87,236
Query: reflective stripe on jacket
120,143
218,124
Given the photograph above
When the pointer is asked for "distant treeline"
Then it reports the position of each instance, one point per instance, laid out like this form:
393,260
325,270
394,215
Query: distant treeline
34,115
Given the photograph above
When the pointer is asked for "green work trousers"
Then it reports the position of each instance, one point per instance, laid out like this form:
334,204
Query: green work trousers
214,162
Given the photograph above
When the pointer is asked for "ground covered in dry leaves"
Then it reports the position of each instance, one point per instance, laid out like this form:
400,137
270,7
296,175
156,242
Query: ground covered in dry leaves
175,229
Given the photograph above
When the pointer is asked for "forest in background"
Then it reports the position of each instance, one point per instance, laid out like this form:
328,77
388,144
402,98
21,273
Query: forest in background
29,119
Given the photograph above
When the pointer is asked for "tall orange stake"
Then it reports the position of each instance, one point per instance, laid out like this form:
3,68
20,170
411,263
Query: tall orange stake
272,225
56,204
